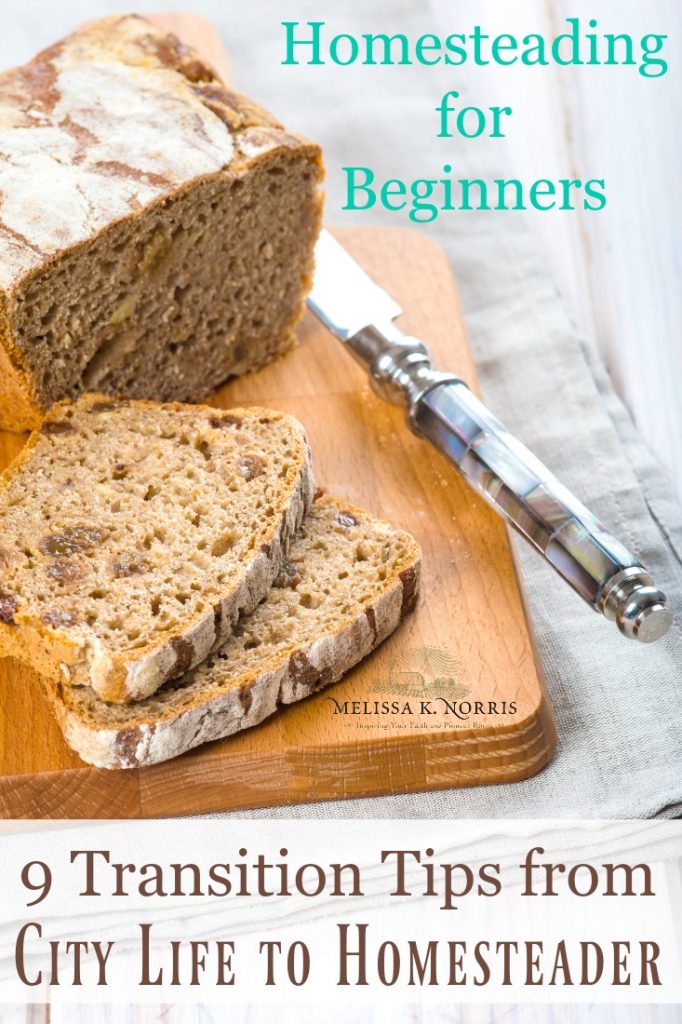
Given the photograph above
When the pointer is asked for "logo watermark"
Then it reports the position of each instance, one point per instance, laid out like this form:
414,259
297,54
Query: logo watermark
421,683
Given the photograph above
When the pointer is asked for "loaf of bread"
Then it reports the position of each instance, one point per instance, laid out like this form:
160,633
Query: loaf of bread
132,535
347,583
156,228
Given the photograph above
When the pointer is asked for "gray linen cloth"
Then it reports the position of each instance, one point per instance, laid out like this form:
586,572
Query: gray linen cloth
617,704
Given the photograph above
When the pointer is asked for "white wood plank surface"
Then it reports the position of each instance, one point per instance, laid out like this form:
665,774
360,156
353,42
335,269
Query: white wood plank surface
619,270
338,1014
24,1014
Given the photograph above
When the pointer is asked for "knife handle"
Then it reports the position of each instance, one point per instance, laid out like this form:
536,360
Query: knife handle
514,482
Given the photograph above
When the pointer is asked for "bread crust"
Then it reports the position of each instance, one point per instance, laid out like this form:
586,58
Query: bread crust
122,677
244,702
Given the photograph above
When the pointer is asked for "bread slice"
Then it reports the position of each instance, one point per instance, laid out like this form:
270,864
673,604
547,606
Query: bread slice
156,227
347,583
133,534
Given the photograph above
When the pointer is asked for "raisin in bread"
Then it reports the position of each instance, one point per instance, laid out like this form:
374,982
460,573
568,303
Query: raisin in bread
347,583
156,229
132,535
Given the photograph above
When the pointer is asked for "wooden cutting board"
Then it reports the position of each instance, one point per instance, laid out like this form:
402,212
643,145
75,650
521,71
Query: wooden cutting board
454,698
468,642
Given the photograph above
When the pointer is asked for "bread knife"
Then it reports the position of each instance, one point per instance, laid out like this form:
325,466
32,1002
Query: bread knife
441,408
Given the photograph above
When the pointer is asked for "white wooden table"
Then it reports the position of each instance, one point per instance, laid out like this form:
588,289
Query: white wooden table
411,1014
619,270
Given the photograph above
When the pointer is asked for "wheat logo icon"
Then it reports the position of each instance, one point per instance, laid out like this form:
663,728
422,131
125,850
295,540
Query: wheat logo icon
423,672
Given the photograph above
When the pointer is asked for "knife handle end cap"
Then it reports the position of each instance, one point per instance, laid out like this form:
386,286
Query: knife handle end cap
645,616
636,605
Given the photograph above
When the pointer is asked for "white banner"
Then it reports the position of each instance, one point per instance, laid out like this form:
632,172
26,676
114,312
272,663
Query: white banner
202,910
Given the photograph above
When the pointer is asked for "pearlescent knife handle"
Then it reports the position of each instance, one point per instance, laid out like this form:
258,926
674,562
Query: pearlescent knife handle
519,487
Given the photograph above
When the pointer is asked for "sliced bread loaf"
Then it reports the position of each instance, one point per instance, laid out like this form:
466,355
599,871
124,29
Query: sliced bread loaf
133,534
156,227
347,583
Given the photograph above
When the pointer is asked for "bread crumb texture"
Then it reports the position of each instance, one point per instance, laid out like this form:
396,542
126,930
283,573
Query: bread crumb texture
346,584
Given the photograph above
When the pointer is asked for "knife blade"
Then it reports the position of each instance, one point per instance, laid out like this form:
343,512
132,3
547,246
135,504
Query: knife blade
442,409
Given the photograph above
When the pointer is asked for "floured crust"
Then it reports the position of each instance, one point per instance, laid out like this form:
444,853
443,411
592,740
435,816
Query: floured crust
93,129
239,686
55,639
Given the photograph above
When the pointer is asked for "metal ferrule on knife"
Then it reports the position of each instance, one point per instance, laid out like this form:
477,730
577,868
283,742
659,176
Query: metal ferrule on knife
507,475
